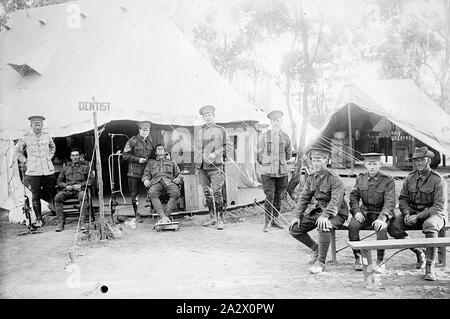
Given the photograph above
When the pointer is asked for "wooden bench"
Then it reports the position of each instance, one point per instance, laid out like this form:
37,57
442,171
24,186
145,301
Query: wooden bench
442,252
367,246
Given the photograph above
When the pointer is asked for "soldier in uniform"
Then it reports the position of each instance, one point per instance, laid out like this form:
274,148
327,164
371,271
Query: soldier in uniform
137,151
161,174
376,190
73,180
274,152
329,209
39,176
423,204
212,146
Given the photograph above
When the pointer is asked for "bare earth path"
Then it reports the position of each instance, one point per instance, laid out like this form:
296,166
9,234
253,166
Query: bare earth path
195,262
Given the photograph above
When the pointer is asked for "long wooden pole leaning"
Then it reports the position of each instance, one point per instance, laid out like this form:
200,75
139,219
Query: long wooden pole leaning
100,180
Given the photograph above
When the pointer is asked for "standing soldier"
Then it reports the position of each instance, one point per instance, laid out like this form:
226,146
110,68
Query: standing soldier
329,210
376,190
423,204
137,151
39,148
212,146
274,152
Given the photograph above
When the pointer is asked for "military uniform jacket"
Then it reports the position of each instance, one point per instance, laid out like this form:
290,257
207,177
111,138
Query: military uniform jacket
75,173
377,194
40,150
274,150
211,139
424,195
135,148
157,169
328,191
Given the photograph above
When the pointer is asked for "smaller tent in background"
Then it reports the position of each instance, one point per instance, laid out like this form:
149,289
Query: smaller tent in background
387,116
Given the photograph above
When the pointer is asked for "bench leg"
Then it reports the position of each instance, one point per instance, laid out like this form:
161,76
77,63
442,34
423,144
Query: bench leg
333,247
369,277
442,251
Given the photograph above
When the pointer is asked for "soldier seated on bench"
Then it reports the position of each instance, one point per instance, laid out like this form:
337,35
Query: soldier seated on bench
376,190
162,173
72,182
423,204
329,209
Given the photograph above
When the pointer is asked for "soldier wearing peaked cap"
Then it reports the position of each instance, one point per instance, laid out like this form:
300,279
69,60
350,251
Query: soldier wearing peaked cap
39,176
376,192
211,146
423,204
137,151
329,210
274,152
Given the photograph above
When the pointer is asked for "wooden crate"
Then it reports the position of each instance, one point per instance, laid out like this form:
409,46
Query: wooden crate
193,193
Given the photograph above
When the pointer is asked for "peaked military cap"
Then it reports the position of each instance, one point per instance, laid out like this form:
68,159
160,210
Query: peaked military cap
275,115
140,123
422,152
206,109
319,151
36,118
372,156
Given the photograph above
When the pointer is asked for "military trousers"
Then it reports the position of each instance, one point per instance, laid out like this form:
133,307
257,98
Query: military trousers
64,195
212,181
274,188
432,224
154,192
42,187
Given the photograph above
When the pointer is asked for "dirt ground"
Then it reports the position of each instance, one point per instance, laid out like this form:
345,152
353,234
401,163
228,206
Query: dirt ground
196,262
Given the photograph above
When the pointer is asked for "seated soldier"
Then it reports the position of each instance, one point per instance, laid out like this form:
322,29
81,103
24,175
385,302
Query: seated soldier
376,190
72,182
423,204
162,173
329,209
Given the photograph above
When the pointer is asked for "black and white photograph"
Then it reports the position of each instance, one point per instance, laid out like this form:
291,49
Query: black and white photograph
223,156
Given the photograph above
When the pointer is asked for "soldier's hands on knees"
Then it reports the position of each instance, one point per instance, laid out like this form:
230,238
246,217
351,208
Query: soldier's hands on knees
142,160
147,183
379,224
360,217
323,223
412,220
69,187
211,156
76,187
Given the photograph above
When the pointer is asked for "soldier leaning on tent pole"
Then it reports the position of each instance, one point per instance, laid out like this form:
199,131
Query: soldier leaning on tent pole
274,152
72,183
137,152
39,176
376,191
329,211
212,145
423,204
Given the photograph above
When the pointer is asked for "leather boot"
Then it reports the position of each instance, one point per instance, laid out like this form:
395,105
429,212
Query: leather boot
212,217
431,254
60,225
220,213
315,255
136,213
420,264
358,263
267,224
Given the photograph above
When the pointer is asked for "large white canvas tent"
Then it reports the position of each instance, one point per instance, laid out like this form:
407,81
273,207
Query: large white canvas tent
124,54
399,102
123,58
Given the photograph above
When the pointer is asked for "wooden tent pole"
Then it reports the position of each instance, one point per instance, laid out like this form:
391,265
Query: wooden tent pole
350,136
99,179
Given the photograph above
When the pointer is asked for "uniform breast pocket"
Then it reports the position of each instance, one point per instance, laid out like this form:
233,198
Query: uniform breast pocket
427,194
167,168
139,150
378,197
412,190
325,192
